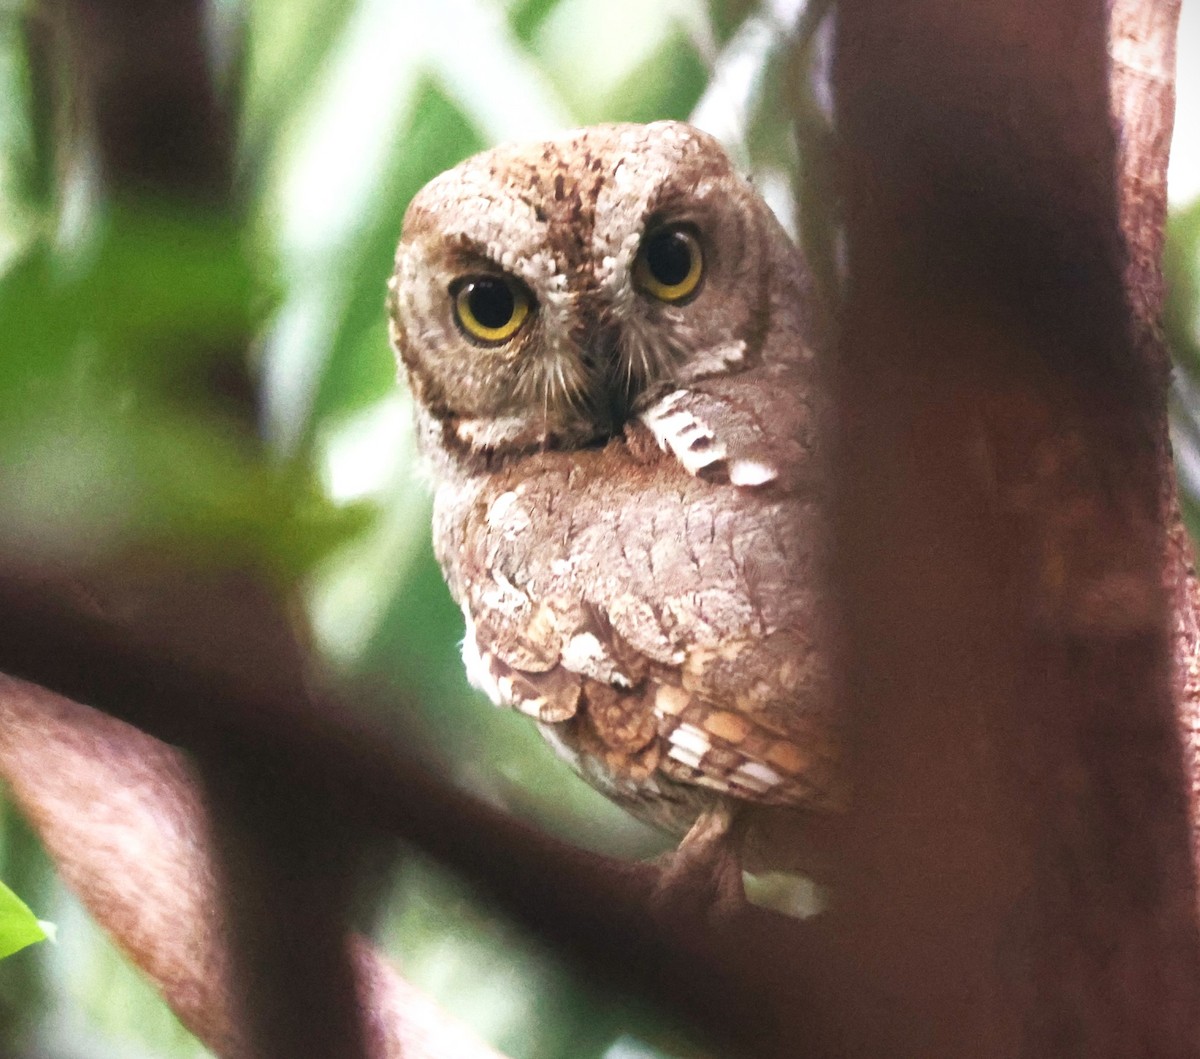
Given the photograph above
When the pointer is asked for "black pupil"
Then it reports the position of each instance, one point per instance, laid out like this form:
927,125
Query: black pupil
669,257
491,302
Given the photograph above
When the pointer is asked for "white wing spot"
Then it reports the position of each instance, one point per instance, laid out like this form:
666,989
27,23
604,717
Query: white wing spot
685,757
582,648
689,738
584,653
757,776
750,473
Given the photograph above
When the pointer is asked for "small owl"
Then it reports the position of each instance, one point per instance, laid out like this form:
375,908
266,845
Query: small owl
609,341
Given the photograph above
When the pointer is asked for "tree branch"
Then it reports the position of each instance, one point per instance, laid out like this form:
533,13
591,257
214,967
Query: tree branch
1143,53
739,979
123,818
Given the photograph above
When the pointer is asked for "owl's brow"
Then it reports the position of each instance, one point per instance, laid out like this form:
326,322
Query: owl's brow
465,250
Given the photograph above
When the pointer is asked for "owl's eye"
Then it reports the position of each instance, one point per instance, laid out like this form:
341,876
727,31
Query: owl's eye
489,309
670,264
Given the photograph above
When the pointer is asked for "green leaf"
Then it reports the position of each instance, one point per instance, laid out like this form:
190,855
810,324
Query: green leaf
19,927
666,84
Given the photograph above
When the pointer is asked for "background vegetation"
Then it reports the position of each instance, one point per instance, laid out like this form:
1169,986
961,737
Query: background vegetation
344,109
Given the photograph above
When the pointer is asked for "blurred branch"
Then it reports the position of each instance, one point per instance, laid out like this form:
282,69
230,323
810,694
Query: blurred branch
148,100
148,113
137,100
739,978
123,817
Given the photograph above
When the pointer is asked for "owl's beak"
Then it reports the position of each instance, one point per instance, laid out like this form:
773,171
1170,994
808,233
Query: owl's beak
616,389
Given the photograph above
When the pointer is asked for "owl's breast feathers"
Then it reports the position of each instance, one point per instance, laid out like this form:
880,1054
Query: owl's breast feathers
661,622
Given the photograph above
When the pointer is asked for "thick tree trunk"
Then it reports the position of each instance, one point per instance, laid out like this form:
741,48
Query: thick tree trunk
1143,51
1019,879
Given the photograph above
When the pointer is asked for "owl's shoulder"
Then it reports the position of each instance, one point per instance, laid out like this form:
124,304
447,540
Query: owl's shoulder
754,428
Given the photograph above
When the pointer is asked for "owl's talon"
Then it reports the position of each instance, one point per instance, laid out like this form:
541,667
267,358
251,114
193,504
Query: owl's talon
704,874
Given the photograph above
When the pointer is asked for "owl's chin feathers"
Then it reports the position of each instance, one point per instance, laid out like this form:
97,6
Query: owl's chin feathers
492,434
591,422
502,438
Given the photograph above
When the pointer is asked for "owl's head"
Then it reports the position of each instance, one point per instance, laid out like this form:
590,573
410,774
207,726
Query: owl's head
545,292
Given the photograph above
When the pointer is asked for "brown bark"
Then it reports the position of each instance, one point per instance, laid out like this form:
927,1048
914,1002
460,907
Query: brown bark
731,979
1143,50
1020,782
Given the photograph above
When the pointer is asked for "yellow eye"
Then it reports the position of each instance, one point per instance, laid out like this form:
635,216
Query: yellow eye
489,309
670,264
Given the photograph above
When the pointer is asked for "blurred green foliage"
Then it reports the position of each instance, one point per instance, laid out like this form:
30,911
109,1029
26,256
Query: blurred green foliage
116,317
1181,322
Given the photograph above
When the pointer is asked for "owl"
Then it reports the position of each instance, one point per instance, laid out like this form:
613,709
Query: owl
610,341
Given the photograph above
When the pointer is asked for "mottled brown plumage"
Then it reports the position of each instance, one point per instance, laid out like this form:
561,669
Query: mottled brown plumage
628,488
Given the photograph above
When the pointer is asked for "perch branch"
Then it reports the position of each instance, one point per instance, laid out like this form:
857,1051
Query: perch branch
739,979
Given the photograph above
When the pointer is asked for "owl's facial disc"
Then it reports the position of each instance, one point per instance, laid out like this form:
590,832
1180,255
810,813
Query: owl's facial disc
545,293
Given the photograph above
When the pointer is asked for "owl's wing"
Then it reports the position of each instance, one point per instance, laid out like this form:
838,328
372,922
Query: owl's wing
658,626
748,430
736,722
685,721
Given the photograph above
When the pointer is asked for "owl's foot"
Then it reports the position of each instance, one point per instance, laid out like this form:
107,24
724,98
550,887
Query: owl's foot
704,874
